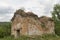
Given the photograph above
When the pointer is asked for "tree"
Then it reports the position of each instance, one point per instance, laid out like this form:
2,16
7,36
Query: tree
56,17
56,12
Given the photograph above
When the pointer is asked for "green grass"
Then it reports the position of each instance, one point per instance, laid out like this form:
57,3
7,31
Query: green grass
44,37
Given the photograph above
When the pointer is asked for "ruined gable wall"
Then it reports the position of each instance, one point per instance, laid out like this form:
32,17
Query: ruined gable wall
27,24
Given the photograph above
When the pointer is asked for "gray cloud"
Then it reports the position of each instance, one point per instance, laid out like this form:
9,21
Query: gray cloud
4,10
6,13
7,7
5,18
49,4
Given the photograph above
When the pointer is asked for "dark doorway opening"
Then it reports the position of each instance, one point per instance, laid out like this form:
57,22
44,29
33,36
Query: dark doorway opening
18,33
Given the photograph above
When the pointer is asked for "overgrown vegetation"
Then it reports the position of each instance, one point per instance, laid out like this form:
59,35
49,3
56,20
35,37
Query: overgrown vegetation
44,37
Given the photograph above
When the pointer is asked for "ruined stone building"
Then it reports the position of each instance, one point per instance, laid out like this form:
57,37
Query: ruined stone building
27,23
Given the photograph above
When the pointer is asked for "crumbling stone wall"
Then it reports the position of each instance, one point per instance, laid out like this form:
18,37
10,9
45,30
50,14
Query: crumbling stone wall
47,24
27,23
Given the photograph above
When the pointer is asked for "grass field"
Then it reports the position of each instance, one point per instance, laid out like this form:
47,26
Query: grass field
45,37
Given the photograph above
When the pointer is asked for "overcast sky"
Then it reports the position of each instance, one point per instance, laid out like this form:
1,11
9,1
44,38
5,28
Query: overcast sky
39,7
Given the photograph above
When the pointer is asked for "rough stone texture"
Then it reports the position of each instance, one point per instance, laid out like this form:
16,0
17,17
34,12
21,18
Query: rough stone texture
27,23
47,24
